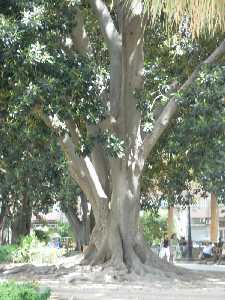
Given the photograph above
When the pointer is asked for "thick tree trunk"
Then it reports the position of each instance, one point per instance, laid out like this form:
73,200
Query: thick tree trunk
21,226
79,229
3,218
170,221
123,246
92,220
214,226
2,228
21,223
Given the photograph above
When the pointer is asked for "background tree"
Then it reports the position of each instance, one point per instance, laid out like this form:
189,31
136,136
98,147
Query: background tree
33,178
75,206
191,149
28,179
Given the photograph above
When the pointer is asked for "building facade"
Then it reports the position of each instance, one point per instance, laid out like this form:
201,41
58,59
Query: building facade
201,221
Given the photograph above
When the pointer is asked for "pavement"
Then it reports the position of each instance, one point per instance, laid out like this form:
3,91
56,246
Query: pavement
213,288
202,267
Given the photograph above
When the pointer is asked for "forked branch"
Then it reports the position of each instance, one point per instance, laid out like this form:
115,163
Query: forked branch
108,28
81,168
170,109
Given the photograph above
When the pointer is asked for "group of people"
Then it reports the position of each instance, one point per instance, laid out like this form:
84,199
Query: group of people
214,251
172,247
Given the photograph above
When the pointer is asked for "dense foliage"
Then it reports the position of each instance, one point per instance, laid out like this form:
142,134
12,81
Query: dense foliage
23,291
6,253
154,227
192,149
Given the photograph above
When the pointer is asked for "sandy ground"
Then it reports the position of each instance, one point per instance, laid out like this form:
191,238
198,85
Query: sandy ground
69,281
137,291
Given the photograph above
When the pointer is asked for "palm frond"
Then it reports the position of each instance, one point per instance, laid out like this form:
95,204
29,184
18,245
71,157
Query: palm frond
205,15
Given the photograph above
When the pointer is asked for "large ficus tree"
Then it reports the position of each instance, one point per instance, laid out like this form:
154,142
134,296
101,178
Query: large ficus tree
81,70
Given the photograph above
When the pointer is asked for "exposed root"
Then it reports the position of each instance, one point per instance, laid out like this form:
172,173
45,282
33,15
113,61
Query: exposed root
128,255
101,255
89,255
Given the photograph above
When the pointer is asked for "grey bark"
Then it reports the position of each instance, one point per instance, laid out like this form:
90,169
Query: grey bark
3,218
3,239
80,226
21,223
171,108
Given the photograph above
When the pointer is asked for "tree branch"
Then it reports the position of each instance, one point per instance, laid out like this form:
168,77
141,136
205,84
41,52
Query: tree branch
80,39
170,109
112,37
81,168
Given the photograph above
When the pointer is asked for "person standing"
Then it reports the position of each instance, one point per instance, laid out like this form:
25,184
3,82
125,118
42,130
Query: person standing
183,246
165,248
222,255
174,244
220,243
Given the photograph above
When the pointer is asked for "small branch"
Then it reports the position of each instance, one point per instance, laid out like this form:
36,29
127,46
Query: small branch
74,131
45,118
170,109
108,28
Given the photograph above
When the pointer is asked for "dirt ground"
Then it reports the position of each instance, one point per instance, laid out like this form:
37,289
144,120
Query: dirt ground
69,281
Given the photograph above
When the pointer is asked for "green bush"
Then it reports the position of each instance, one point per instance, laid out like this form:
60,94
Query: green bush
64,229
6,253
42,235
154,227
27,245
19,253
25,291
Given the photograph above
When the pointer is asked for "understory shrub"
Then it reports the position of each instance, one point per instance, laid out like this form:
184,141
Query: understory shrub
6,253
154,226
42,235
19,253
64,229
23,291
24,250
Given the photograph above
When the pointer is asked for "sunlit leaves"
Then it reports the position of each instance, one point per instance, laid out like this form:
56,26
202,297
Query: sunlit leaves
36,53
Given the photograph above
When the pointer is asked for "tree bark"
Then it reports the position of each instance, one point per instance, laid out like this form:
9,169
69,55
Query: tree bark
214,226
2,228
21,223
170,221
3,218
80,228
